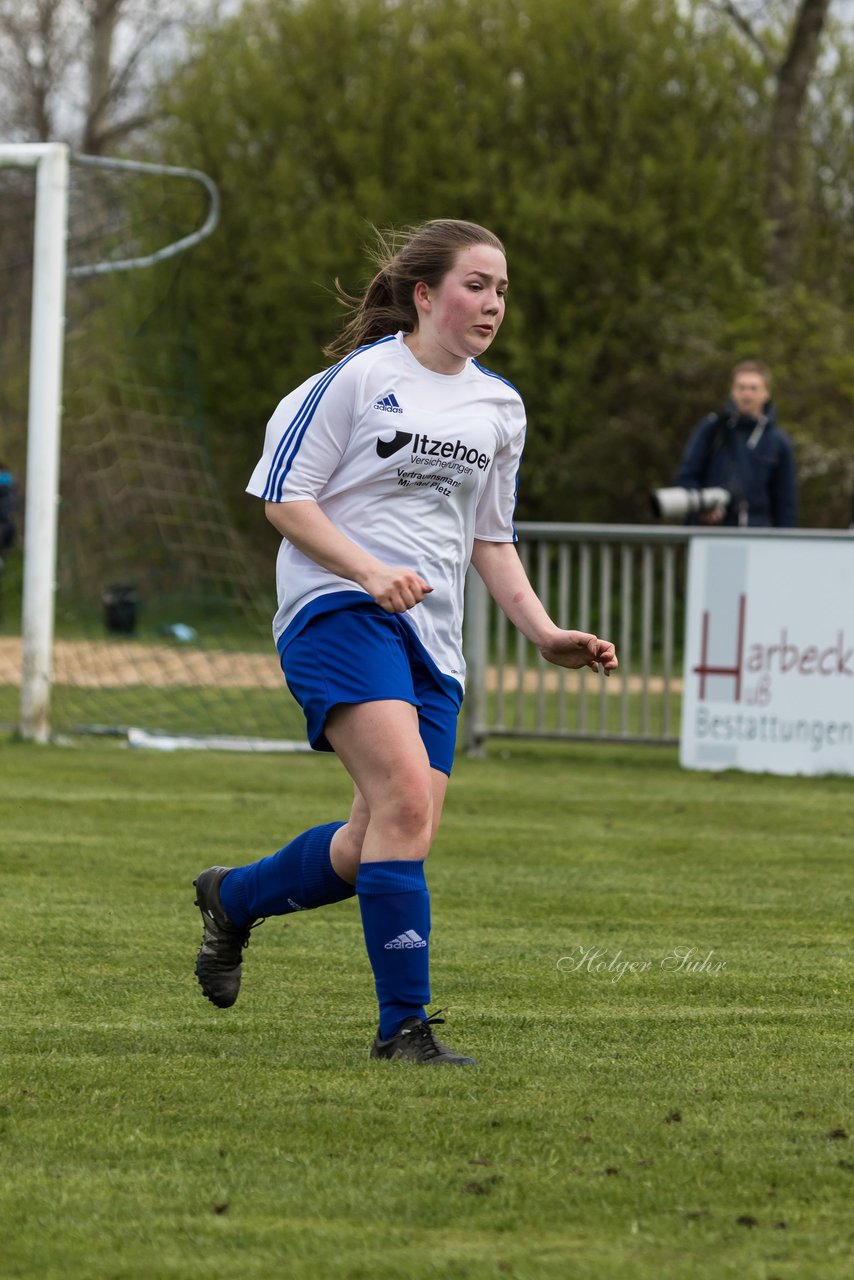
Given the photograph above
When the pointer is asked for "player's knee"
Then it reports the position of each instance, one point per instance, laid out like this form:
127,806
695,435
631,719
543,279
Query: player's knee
408,809
347,850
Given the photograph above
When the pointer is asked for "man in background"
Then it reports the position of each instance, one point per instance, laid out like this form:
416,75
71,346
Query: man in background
8,510
741,449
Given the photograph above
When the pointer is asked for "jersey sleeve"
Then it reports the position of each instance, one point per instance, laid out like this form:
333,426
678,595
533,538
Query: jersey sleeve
305,438
497,503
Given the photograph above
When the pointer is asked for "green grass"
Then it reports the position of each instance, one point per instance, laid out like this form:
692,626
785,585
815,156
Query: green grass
655,1126
188,709
254,712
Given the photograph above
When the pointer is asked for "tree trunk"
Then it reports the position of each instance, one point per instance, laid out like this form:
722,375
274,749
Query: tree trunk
104,17
793,81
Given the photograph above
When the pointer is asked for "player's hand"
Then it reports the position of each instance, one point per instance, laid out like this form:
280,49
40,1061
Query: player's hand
395,589
575,649
715,516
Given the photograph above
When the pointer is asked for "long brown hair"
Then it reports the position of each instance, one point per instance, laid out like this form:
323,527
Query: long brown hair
403,258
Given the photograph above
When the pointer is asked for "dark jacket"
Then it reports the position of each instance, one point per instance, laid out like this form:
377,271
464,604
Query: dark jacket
8,508
753,459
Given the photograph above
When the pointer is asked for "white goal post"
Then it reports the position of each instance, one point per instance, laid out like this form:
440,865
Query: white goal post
51,161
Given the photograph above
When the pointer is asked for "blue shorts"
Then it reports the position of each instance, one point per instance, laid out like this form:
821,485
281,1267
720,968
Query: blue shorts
359,653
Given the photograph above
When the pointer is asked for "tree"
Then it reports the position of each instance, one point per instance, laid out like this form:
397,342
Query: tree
809,200
618,146
792,75
603,141
81,70
793,79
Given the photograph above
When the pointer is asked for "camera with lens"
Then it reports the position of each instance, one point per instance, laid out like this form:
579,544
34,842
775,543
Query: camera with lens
677,503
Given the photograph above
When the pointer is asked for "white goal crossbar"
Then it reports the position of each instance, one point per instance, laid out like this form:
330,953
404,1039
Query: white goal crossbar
51,161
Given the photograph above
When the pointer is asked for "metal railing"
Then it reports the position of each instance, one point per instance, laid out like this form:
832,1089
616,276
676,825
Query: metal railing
625,583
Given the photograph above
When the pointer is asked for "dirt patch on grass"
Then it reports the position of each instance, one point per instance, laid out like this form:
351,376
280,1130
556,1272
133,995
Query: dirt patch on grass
114,664
105,664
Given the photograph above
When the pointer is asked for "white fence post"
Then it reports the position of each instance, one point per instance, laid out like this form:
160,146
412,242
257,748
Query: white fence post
476,651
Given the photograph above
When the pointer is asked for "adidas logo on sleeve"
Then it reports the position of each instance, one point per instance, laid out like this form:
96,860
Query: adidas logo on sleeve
388,403
406,941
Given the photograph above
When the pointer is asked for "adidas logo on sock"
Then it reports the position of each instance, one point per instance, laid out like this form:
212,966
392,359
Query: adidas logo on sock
405,941
388,403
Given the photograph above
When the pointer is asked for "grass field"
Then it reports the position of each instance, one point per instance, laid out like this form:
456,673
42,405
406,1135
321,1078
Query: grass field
192,709
673,1121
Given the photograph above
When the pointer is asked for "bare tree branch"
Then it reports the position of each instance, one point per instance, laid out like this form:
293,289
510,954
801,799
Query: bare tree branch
76,69
747,29
123,75
32,63
121,128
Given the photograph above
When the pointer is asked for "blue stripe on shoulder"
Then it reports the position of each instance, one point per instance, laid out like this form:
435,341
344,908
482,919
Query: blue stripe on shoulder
292,436
515,500
497,376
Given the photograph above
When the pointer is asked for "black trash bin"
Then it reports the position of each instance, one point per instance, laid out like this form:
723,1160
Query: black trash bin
121,602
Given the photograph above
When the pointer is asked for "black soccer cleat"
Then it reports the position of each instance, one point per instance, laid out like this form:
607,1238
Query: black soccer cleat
219,962
416,1041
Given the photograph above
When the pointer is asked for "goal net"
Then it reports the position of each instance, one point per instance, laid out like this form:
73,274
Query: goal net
162,608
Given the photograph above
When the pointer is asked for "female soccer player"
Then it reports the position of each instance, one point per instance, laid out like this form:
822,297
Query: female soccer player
386,475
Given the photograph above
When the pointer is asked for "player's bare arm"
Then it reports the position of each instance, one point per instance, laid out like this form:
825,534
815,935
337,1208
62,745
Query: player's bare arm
306,527
503,573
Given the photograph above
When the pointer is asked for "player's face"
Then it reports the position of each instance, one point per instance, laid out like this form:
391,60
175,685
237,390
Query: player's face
460,317
749,394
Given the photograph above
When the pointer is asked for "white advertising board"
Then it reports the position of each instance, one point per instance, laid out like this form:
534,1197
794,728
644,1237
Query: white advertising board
769,656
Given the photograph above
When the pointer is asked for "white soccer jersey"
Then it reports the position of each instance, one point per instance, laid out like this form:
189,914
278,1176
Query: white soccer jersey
410,464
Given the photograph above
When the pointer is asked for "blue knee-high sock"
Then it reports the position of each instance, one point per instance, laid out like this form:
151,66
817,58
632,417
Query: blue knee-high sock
300,876
395,906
